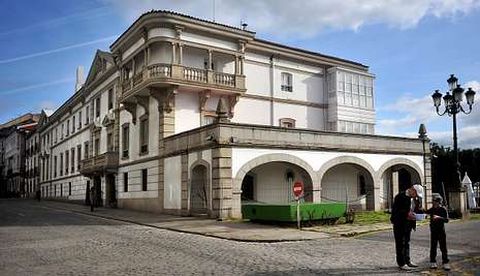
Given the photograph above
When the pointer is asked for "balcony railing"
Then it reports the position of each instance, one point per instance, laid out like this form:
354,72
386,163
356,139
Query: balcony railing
101,163
179,74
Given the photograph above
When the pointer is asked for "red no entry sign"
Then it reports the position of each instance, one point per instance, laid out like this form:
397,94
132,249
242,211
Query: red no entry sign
298,189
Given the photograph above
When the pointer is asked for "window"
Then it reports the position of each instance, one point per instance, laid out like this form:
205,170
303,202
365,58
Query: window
56,135
79,119
85,154
110,141
110,98
97,107
97,146
55,166
144,136
73,159
92,109
61,190
69,188
287,122
66,161
125,182
125,140
287,81
144,179
87,118
61,164
79,156
73,124
68,128
61,134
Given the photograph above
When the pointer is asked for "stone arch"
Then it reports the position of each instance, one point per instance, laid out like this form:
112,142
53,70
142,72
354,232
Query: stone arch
400,161
391,180
274,157
265,159
208,184
345,160
371,185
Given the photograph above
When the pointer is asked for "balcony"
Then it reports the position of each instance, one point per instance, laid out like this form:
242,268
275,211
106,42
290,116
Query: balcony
163,73
106,162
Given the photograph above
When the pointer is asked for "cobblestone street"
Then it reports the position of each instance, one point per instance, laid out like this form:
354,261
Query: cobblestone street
37,240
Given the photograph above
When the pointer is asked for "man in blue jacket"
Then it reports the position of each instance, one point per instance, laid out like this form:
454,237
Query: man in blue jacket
403,220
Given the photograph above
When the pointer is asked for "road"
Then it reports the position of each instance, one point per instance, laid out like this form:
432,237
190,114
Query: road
38,240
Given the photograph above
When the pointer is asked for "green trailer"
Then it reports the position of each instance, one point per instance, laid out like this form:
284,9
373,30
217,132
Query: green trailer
288,212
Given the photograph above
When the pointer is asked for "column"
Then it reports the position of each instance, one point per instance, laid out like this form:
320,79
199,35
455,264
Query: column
166,127
236,65
241,65
174,55
222,184
180,54
209,66
184,187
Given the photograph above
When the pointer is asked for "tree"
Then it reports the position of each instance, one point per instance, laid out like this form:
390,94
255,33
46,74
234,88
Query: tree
443,166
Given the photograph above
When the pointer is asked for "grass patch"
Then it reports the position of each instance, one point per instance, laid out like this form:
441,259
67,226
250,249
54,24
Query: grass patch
365,218
368,217
475,216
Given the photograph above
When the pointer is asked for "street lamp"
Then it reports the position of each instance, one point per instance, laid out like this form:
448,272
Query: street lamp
453,106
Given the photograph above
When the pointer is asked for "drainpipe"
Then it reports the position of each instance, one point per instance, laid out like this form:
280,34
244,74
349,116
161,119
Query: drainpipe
272,88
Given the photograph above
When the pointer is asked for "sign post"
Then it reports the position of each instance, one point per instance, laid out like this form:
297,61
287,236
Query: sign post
298,192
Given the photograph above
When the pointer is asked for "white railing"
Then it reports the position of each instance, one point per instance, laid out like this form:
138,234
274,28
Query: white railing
194,74
224,79
160,70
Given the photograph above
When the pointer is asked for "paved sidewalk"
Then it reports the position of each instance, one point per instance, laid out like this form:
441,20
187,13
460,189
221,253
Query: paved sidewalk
231,230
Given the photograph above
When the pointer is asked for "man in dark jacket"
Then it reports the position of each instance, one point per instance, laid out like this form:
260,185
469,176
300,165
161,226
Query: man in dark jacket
403,220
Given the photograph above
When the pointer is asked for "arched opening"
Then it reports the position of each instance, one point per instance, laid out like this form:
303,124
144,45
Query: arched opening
395,179
350,183
198,191
273,182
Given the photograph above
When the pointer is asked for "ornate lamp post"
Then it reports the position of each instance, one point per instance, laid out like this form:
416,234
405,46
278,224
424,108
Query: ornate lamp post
453,106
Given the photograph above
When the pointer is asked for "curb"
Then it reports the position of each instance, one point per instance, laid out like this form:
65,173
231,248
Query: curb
93,214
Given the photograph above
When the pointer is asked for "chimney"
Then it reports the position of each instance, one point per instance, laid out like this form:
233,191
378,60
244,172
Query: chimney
80,80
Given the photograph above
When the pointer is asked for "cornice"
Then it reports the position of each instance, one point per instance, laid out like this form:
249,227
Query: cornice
174,21
300,54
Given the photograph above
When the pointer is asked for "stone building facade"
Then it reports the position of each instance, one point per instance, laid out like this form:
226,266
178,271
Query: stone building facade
187,116
14,175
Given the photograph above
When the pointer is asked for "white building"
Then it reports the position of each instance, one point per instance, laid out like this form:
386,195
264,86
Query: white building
187,116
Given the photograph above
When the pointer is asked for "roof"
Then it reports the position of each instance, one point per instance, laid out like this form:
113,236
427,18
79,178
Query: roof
30,126
166,12
309,52
25,118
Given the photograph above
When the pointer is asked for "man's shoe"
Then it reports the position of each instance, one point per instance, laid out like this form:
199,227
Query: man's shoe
433,266
405,267
412,265
446,267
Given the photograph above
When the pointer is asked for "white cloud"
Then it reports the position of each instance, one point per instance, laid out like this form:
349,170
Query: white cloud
475,85
468,137
411,112
414,111
286,17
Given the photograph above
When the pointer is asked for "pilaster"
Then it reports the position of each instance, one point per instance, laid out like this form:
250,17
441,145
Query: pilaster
166,127
184,187
222,184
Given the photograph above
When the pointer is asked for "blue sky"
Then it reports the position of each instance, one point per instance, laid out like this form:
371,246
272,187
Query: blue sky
411,46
